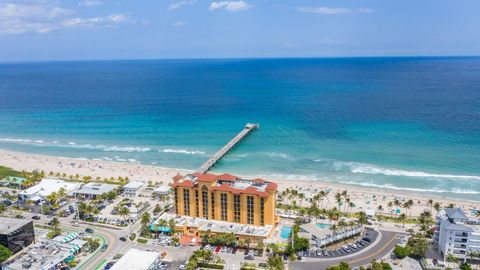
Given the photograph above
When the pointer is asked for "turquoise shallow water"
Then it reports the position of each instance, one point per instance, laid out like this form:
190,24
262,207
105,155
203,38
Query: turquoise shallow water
400,123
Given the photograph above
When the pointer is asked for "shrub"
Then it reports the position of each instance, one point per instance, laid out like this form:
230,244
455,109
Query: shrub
210,265
401,252
132,236
142,240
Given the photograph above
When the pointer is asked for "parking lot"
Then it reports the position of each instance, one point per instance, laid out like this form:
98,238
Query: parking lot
367,239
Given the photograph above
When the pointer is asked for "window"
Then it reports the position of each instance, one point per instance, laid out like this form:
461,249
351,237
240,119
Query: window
223,206
213,204
197,208
186,201
236,208
250,211
262,211
205,202
176,201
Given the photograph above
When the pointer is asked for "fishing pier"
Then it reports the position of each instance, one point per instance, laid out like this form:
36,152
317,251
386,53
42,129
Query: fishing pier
227,147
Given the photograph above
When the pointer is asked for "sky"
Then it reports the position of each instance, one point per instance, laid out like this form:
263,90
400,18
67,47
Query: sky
50,30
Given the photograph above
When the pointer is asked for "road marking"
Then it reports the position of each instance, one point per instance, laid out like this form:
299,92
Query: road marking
95,253
378,251
100,264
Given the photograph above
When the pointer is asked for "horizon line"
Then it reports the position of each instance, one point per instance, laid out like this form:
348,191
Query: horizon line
234,58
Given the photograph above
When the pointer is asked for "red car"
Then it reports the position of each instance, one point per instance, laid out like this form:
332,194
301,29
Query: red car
218,249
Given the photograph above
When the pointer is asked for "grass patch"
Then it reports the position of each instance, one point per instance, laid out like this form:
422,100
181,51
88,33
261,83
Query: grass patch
5,171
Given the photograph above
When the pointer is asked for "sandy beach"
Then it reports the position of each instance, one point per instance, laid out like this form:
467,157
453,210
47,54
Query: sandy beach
363,198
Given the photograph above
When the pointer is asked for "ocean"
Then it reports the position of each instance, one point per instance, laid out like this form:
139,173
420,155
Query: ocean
400,123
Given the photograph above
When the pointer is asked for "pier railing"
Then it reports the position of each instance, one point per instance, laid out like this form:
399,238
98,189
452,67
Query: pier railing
249,127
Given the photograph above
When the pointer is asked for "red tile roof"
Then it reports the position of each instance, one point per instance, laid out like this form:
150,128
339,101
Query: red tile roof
227,176
185,183
177,177
207,177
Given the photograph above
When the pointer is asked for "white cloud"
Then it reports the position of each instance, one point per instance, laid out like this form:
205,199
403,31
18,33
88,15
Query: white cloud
179,23
111,20
232,6
179,4
36,18
90,3
42,17
365,10
332,10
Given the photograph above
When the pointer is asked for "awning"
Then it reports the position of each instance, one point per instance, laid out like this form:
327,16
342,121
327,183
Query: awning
70,237
74,249
69,259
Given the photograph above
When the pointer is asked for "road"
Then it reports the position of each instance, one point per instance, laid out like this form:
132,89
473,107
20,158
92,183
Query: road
386,244
109,236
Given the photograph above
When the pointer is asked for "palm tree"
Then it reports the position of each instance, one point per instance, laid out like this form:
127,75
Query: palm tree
275,263
430,202
55,223
123,212
437,207
362,218
338,199
390,205
402,217
301,197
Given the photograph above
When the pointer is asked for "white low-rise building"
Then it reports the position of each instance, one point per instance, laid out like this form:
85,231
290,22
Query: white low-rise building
92,190
131,189
46,187
454,236
136,259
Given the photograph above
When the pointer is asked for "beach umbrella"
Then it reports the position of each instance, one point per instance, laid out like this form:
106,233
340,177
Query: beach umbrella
398,211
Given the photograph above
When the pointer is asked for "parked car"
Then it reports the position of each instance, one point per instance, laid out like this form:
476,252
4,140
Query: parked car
108,265
246,252
218,249
249,258
89,230
36,217
123,239
104,247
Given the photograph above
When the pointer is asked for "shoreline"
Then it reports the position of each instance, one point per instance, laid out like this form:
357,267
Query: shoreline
363,197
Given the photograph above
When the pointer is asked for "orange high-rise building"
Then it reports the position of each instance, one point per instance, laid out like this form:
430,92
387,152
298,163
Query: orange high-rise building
225,197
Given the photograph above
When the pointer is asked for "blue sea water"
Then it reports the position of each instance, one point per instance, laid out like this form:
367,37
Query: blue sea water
400,123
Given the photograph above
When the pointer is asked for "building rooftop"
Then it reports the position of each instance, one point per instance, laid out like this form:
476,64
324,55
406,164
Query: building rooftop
9,225
47,186
136,259
228,183
162,189
96,188
218,226
455,213
45,254
134,184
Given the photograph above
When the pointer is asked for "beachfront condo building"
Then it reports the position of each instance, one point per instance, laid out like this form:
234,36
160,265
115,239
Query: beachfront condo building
226,198
455,234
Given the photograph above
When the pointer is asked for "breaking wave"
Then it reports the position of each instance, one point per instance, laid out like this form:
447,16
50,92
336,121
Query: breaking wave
364,168
182,151
389,186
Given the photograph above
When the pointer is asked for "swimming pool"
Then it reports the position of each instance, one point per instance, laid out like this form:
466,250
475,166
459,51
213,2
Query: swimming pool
323,225
285,232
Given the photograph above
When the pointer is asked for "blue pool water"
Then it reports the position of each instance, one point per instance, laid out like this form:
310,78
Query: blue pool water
322,225
286,232
406,123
